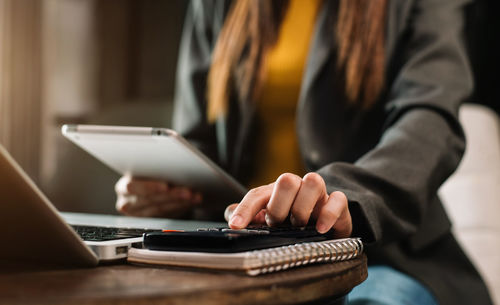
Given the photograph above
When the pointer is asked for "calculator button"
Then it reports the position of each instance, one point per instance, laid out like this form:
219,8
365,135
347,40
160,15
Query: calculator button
246,231
259,232
243,231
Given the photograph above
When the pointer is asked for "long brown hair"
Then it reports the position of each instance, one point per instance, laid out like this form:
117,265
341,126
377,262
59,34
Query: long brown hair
252,28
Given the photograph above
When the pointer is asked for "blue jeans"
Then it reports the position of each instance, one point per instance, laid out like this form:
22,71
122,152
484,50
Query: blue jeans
387,286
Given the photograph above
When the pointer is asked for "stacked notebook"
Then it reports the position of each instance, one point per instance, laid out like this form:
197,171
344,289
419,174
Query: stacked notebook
251,262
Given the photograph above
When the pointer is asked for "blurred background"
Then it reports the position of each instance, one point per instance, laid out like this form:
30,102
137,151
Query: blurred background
82,61
113,62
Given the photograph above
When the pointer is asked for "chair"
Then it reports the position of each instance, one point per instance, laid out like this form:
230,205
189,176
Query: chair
472,194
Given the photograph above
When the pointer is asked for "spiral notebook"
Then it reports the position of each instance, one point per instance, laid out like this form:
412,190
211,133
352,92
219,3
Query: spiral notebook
257,261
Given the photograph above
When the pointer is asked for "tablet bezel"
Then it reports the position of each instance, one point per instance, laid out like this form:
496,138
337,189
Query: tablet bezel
189,166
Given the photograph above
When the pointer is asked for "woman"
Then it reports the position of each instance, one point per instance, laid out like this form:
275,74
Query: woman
376,128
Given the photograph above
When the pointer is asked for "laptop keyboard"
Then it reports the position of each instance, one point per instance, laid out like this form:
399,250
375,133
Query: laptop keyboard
92,233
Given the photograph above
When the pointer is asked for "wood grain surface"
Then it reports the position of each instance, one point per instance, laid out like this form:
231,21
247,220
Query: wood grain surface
127,284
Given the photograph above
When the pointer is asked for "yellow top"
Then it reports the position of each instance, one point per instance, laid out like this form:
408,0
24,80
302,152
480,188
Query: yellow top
278,151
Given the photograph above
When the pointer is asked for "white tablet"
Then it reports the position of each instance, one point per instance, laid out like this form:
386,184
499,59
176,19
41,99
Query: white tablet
157,153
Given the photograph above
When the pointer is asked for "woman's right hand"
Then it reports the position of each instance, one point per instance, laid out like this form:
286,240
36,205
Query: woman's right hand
154,198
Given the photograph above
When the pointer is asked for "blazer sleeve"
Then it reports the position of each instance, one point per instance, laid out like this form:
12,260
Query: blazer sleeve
202,24
391,187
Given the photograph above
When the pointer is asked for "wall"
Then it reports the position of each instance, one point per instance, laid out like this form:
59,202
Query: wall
82,61
20,81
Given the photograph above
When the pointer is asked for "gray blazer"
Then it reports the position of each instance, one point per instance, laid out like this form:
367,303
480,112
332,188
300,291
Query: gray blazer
390,160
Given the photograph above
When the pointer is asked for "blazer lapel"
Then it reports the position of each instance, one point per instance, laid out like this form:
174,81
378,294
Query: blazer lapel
398,13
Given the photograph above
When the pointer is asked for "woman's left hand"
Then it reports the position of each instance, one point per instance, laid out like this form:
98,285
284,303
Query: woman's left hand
297,198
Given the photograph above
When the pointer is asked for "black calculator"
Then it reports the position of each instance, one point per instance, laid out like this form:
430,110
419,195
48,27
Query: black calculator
226,240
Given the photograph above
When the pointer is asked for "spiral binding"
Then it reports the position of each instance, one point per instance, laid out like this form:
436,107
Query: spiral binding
286,257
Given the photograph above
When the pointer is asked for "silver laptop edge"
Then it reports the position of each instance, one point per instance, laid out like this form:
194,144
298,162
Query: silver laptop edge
32,229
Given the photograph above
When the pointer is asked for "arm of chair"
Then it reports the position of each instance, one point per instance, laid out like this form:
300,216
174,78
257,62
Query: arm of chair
472,194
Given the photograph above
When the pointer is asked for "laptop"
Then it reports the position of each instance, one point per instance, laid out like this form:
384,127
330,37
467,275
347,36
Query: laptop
32,230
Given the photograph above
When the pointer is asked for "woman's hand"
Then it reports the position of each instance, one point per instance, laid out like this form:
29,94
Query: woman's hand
153,198
297,198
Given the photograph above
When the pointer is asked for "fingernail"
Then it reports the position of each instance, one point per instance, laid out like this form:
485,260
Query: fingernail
322,228
293,221
236,221
270,221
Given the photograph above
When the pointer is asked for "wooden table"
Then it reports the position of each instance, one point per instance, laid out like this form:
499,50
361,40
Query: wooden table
127,284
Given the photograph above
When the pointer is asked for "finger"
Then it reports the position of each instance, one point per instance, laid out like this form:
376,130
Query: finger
183,193
335,214
177,194
146,208
166,202
122,204
169,198
254,201
260,218
128,185
197,198
121,184
179,209
132,203
311,192
228,212
283,195
180,199
154,211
